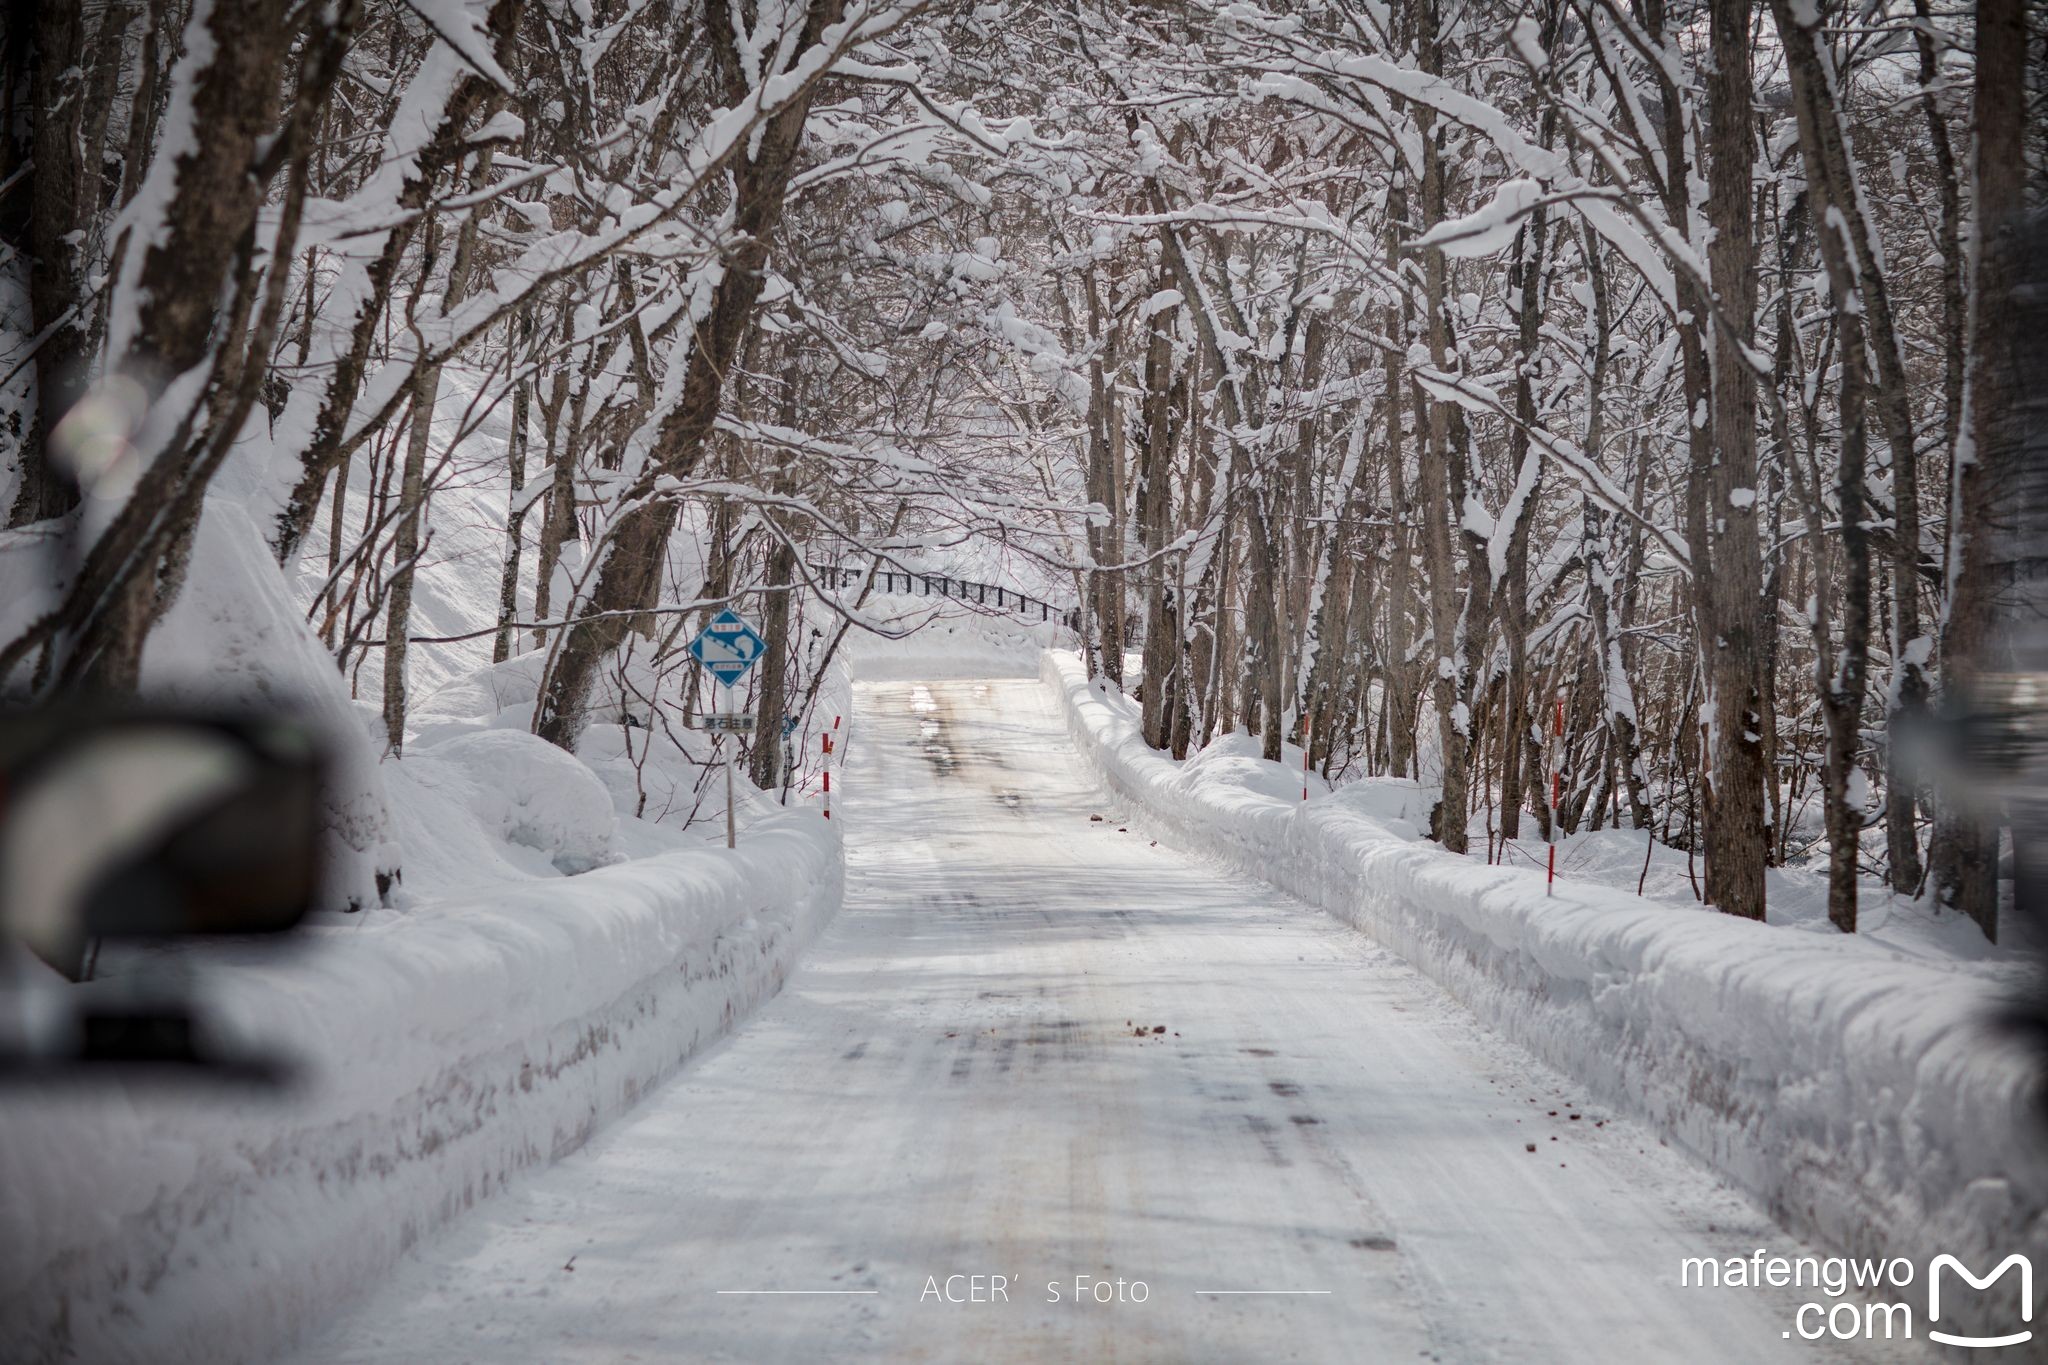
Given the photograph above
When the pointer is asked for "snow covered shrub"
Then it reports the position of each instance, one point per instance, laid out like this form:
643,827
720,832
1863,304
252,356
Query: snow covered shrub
498,694
525,791
235,640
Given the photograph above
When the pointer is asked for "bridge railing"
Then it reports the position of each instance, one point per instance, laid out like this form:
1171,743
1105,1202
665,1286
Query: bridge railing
991,595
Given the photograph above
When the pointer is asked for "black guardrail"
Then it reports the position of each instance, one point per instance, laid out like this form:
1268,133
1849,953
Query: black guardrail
993,595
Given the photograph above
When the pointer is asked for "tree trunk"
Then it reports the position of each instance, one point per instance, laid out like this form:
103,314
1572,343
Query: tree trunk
630,574
1104,587
1513,605
413,492
1840,671
200,237
1450,681
558,516
1831,165
1965,849
516,504
1262,587
1155,514
63,202
764,763
1398,676
1738,846
405,551
447,146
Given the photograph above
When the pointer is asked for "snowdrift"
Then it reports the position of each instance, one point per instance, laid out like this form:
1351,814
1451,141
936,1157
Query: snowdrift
952,641
444,1051
1854,1093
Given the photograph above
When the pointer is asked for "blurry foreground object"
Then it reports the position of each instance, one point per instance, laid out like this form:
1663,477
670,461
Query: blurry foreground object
1989,752
133,823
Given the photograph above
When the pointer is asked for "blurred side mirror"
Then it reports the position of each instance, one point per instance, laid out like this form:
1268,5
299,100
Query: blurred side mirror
140,823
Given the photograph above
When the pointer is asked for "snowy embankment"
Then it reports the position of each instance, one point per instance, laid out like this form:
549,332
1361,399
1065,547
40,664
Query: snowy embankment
951,640
444,1051
490,1017
1856,1094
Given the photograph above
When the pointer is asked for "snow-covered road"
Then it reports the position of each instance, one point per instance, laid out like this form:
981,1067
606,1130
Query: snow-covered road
967,1077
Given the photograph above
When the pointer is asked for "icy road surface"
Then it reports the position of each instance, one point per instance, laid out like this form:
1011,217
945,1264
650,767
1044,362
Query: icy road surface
953,1083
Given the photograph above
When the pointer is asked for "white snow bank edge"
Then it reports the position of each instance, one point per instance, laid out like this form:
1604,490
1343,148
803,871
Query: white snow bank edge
453,1048
1855,1096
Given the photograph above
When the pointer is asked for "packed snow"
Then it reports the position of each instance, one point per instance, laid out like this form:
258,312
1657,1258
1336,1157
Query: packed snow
1037,1044
1855,1089
548,954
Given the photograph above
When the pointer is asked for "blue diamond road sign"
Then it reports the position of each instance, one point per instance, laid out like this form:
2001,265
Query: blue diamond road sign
728,647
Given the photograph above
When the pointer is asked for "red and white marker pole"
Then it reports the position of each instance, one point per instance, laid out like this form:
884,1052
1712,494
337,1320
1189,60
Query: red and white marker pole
827,738
1556,790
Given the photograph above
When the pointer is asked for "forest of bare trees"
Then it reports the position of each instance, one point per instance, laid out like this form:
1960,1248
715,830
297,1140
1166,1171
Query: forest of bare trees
1630,389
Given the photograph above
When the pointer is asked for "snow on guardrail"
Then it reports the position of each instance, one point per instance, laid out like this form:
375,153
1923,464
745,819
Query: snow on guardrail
447,1049
987,596
1855,1094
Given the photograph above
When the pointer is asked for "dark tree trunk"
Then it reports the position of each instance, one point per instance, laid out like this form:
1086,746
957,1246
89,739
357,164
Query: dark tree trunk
1965,848
62,195
1450,680
199,252
1262,631
1513,605
516,507
630,575
1163,680
1397,678
1738,845
764,764
1840,669
1105,533
448,145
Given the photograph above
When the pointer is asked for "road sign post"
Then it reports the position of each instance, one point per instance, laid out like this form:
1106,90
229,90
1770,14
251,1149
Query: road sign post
728,647
731,831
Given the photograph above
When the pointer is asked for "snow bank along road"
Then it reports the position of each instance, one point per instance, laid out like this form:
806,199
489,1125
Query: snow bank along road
967,1076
